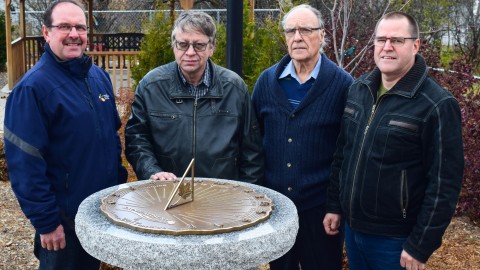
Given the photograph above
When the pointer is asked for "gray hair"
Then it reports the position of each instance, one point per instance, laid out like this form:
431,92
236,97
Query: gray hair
315,11
195,21
305,6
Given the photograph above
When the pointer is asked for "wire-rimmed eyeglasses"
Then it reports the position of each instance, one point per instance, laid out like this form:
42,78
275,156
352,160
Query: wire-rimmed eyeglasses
67,28
304,31
394,41
197,46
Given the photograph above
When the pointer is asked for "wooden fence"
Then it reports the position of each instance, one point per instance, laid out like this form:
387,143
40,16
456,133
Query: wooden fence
15,69
119,54
118,64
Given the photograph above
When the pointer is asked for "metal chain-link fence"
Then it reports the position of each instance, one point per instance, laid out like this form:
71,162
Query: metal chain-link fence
124,21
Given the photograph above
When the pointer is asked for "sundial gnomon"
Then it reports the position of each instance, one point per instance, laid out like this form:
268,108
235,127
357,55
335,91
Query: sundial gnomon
219,206
183,192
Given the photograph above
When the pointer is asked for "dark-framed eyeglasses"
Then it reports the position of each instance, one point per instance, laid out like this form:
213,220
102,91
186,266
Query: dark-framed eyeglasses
197,46
304,31
394,41
67,28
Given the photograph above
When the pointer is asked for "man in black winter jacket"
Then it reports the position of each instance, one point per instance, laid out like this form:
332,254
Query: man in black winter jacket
193,108
398,167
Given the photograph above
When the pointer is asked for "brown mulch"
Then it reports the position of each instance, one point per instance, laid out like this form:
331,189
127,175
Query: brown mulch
16,233
460,249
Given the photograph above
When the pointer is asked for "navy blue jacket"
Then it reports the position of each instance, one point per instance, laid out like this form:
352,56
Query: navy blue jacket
399,164
299,144
61,140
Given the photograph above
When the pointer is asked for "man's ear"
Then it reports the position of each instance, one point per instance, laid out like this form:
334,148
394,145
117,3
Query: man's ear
213,50
416,45
46,33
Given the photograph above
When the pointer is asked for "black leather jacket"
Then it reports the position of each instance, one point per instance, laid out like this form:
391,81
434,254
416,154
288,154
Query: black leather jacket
399,163
168,127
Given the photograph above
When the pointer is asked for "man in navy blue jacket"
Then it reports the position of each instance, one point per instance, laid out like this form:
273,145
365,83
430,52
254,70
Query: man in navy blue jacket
61,140
299,104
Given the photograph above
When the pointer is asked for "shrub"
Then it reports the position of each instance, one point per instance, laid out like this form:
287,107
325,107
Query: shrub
3,45
262,46
459,80
156,48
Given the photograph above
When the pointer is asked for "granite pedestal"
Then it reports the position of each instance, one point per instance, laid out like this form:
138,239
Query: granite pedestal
243,249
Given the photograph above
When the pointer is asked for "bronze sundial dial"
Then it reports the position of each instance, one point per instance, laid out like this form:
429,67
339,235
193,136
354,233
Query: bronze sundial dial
216,208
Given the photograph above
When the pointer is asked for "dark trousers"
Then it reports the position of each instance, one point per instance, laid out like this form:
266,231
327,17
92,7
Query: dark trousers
72,257
313,248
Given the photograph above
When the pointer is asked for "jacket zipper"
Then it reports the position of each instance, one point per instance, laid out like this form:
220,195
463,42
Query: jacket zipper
194,131
404,194
372,114
89,96
92,105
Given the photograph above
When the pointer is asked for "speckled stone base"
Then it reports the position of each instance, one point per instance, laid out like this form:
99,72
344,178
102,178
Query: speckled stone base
244,249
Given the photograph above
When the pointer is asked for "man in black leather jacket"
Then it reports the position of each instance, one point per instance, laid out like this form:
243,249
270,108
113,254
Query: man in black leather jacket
398,167
192,108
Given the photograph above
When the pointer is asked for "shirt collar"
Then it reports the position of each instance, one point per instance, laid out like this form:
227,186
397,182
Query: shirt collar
206,78
290,70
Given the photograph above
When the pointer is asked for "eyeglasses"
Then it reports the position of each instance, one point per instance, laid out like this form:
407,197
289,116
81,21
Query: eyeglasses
197,46
394,41
67,28
304,31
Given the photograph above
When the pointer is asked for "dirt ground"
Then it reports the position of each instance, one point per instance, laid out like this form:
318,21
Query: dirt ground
460,249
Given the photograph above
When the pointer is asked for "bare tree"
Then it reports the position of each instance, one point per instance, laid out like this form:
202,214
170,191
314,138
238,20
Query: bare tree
466,25
34,17
350,25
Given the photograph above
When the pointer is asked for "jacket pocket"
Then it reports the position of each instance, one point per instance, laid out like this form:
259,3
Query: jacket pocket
165,116
385,196
408,127
397,140
349,112
351,122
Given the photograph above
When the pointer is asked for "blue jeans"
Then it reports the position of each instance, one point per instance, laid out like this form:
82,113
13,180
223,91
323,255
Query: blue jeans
72,257
373,252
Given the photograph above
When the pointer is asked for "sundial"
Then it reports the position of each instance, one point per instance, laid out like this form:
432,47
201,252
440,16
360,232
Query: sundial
179,207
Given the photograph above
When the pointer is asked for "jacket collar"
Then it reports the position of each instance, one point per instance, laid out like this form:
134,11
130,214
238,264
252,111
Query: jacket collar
77,67
179,90
407,86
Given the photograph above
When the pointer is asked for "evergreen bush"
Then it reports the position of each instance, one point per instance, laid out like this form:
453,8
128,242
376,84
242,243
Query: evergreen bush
156,47
3,45
263,45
